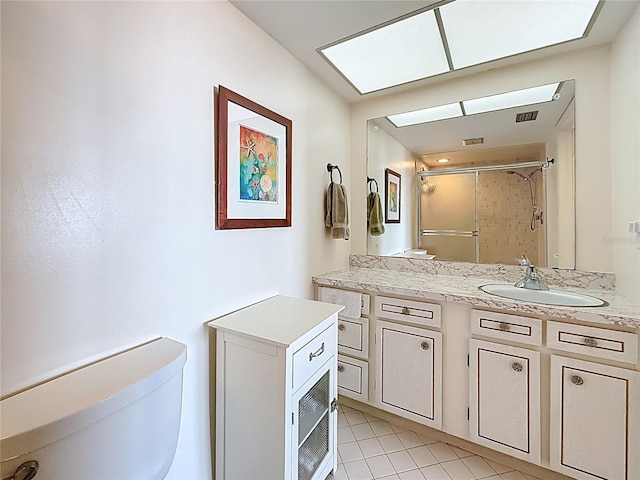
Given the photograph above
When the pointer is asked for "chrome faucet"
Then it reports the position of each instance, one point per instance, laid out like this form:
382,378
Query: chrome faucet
531,280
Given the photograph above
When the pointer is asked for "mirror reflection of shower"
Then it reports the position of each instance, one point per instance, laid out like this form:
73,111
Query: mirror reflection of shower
533,188
427,187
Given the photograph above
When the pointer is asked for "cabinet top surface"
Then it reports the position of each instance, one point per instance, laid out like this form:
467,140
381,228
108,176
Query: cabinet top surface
280,319
459,289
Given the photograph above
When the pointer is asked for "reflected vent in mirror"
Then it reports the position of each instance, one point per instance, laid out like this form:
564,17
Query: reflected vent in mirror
526,116
473,141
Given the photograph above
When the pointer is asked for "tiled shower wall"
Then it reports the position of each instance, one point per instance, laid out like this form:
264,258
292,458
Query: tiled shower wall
504,217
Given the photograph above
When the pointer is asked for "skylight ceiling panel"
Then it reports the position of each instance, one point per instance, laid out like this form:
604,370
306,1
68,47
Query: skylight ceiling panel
431,114
398,53
528,96
481,31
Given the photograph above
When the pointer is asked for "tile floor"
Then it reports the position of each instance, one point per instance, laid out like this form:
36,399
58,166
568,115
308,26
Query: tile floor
371,448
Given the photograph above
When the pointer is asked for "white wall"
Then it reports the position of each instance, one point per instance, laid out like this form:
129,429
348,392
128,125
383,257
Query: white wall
384,151
590,69
107,190
625,155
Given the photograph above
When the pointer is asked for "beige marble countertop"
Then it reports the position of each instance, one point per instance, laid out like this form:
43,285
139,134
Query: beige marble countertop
460,289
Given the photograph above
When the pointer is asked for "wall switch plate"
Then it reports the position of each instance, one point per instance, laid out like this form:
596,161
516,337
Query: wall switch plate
634,227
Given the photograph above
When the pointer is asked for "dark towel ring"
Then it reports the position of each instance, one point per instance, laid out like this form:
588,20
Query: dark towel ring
331,168
370,181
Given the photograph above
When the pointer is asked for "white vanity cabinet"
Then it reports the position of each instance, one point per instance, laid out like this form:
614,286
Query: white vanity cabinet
409,372
504,399
276,390
353,345
557,387
504,384
595,408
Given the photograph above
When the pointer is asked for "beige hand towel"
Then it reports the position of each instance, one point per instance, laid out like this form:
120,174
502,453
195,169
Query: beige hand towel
374,214
337,215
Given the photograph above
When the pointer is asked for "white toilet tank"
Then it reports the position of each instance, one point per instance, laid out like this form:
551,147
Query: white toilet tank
115,419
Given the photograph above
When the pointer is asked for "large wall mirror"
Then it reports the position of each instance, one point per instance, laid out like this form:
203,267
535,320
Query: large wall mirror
482,181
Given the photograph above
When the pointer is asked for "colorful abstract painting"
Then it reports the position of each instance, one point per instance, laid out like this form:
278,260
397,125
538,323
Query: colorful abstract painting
258,166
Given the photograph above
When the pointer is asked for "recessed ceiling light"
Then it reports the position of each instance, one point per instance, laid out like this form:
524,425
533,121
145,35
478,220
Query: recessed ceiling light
424,115
401,52
479,32
527,96
443,160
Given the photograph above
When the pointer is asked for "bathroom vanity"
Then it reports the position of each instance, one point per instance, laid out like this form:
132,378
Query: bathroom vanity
275,401
555,386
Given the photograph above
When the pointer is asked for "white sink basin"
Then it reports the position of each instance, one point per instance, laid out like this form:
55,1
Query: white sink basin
546,297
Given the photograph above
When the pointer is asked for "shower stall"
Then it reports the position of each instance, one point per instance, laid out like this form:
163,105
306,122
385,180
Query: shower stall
491,214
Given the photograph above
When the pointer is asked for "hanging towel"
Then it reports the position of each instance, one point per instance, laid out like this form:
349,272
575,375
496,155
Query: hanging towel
352,301
374,214
337,215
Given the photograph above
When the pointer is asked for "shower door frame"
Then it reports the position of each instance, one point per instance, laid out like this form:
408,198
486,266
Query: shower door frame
454,171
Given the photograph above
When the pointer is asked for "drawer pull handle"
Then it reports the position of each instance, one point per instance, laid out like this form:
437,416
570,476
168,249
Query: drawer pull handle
577,380
424,345
317,353
405,310
340,368
516,366
341,327
590,342
505,327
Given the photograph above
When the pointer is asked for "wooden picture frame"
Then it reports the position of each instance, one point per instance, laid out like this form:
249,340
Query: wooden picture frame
253,164
392,196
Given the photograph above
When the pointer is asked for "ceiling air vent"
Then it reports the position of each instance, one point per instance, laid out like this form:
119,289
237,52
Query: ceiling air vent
472,141
526,116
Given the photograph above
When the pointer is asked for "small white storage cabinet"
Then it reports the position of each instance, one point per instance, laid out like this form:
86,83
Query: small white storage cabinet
275,391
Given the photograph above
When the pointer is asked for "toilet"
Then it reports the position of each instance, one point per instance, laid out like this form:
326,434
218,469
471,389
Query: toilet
115,419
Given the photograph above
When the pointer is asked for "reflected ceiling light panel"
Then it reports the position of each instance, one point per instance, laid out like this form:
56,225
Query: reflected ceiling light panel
443,160
528,96
425,115
404,51
481,31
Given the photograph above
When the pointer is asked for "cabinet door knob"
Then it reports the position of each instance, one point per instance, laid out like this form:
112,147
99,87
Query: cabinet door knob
405,310
317,353
340,368
424,345
577,380
516,366
341,327
590,342
504,327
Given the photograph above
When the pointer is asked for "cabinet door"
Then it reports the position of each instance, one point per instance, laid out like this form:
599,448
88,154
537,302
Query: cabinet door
409,372
594,420
504,399
314,421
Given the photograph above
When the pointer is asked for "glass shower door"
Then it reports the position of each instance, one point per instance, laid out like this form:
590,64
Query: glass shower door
448,216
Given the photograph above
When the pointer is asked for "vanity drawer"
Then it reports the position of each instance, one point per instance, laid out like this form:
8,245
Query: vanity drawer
353,337
353,378
313,355
366,300
595,342
410,311
513,328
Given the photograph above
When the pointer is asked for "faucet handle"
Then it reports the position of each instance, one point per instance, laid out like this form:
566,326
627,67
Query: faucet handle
524,261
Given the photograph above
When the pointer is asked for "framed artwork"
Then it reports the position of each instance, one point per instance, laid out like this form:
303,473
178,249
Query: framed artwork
253,164
392,196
